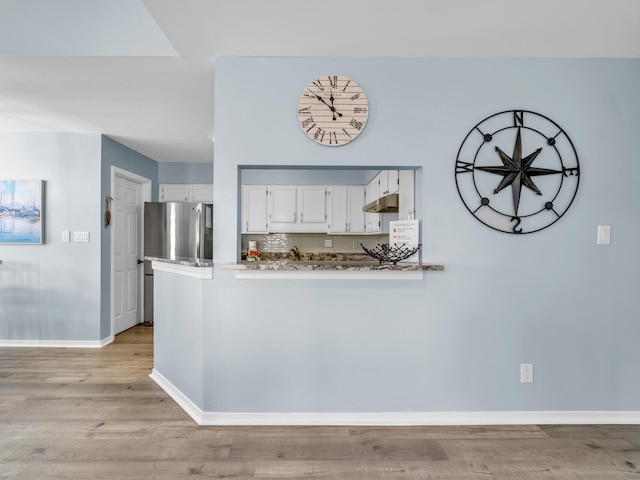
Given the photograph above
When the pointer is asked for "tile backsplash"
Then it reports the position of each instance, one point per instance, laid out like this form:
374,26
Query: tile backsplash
313,242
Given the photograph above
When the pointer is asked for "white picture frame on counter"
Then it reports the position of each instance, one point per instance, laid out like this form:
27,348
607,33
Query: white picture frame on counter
404,232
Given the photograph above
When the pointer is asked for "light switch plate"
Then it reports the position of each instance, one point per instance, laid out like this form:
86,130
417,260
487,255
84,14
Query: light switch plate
604,234
328,243
66,236
82,237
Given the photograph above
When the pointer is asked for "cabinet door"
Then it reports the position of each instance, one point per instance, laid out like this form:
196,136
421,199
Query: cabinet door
201,193
372,190
254,209
174,193
392,181
406,199
283,204
338,219
345,209
313,204
373,224
355,215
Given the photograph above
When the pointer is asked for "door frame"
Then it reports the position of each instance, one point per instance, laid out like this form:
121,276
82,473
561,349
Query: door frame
145,196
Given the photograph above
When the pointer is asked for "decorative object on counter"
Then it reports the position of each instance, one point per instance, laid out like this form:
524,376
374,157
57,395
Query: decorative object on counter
333,110
107,212
391,253
517,148
252,254
21,210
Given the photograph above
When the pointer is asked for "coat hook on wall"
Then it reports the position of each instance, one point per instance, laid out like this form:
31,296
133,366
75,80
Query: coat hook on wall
107,213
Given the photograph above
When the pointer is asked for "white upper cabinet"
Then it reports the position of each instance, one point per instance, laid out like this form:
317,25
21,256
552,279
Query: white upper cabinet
171,192
387,183
313,204
338,216
174,193
345,209
201,193
393,181
284,205
297,209
254,209
355,215
325,209
406,198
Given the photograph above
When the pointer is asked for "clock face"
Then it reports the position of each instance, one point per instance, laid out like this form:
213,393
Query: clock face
333,110
517,171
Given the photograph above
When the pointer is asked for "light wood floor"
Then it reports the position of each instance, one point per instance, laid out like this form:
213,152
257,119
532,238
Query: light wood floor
95,414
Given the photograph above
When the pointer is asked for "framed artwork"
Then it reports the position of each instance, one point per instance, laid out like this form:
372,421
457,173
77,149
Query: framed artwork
21,211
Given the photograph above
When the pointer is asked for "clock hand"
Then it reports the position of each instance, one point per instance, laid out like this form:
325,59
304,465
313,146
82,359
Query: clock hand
331,107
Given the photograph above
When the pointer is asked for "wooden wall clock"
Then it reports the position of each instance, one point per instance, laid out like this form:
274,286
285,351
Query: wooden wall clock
517,171
333,110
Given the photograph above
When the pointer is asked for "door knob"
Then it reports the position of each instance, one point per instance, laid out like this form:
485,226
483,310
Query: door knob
140,261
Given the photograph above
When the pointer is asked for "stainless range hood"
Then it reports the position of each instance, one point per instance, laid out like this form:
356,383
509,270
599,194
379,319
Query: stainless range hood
387,204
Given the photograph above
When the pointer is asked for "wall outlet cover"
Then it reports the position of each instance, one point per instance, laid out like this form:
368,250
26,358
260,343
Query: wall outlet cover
526,373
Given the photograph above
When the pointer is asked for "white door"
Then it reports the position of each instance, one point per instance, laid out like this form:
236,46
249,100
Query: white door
127,248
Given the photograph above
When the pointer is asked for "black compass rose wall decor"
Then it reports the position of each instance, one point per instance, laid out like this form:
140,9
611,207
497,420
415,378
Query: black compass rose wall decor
517,171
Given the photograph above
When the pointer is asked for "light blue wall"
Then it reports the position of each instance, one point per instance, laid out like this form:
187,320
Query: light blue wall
185,172
177,333
52,291
453,341
304,176
118,155
61,291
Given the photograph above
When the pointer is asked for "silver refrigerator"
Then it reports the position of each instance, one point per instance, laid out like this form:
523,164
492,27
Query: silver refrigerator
174,231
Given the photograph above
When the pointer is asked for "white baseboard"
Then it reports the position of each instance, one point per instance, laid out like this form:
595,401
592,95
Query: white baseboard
420,418
181,399
57,343
394,418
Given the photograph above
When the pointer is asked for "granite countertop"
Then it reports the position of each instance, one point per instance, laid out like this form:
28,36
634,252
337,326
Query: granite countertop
187,262
327,265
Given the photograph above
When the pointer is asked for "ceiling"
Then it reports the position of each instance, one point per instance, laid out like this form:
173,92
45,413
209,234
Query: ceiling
142,71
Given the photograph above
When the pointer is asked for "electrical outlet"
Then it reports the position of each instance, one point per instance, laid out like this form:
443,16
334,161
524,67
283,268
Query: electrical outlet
526,373
328,243
354,245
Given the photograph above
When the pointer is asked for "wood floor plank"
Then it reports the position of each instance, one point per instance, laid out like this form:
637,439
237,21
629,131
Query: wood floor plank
134,470
337,448
359,470
95,414
453,432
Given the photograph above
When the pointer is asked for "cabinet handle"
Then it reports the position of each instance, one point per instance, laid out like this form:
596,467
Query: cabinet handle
346,227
